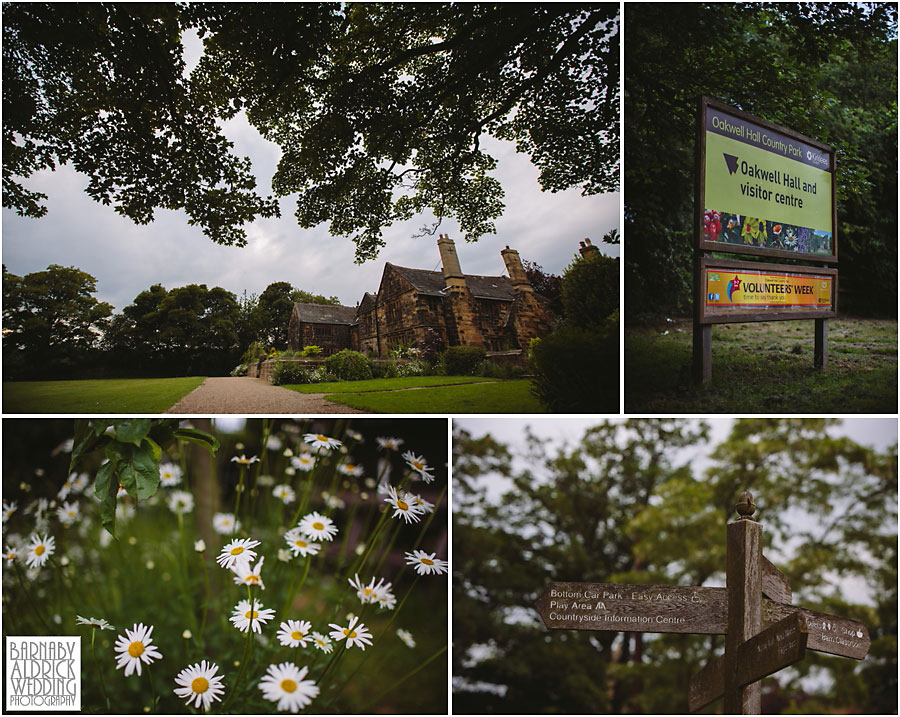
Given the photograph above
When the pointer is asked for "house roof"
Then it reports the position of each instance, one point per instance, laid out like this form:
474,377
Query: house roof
325,314
481,287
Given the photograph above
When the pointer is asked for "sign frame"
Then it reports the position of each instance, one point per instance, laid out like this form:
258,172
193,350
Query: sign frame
701,244
750,314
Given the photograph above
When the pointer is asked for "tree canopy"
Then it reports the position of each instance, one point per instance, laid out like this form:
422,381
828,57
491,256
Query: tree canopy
828,71
379,109
623,503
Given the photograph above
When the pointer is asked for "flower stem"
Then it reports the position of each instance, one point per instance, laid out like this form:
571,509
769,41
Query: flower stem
152,689
407,676
293,591
99,671
244,659
31,600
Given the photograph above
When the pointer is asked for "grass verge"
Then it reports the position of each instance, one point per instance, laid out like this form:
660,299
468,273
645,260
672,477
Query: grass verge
383,384
764,367
125,395
496,397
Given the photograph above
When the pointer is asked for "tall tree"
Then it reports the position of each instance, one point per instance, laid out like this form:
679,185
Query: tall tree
51,321
379,108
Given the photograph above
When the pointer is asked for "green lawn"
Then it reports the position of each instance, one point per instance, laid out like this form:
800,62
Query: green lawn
126,395
764,367
496,397
383,384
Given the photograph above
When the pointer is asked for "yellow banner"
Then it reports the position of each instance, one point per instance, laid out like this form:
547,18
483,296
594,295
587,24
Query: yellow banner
767,290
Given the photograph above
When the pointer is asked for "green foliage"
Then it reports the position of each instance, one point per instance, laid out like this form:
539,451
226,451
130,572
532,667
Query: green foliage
349,365
590,291
254,352
51,322
292,372
827,71
485,397
463,360
132,449
627,502
384,369
372,123
577,371
490,369
126,396
415,367
311,351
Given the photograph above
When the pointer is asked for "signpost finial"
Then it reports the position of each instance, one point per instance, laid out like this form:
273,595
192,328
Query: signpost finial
745,506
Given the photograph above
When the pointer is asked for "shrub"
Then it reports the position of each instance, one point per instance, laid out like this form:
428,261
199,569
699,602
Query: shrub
431,346
254,352
416,367
577,371
311,351
384,369
489,369
463,360
349,365
290,372
239,370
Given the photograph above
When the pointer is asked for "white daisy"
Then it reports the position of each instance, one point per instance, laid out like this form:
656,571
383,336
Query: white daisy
406,637
169,474
247,575
242,617
426,563
294,633
298,543
355,435
122,492
68,514
243,460
80,482
10,553
266,481
180,501
238,549
274,443
417,463
284,493
284,555
67,487
404,506
351,469
39,550
94,622
384,597
388,443
317,527
356,635
321,642
303,462
373,593
200,684
285,684
225,524
426,506
134,648
199,545
318,441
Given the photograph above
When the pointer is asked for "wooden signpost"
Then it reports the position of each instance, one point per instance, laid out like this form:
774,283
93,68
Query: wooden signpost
763,631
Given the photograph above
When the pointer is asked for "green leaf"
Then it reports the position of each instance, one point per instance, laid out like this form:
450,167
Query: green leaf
106,486
211,443
133,430
89,434
155,447
138,470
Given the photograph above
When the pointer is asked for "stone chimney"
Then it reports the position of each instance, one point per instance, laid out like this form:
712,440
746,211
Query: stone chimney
516,271
453,276
587,249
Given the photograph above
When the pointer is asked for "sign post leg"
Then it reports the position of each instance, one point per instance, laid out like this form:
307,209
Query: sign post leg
702,361
821,350
744,582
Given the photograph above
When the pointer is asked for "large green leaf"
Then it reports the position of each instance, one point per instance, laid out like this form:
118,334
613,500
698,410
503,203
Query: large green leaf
89,434
106,486
134,430
138,468
211,443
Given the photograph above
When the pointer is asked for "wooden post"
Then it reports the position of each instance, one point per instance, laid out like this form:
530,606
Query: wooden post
743,575
821,350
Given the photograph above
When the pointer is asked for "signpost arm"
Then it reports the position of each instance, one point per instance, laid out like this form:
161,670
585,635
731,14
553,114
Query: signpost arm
744,583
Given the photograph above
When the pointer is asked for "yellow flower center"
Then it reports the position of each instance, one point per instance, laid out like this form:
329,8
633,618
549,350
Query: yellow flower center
402,506
253,616
252,578
318,526
321,437
300,543
427,561
237,551
349,634
296,635
418,466
368,591
39,550
136,649
200,684
289,685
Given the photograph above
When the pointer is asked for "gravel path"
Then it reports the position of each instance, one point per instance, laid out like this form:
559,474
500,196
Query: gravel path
252,395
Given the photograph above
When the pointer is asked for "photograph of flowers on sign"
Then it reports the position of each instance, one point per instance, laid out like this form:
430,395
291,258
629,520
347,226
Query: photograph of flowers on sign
234,565
753,231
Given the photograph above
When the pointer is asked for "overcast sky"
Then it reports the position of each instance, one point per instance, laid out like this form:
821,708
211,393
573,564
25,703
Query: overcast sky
126,258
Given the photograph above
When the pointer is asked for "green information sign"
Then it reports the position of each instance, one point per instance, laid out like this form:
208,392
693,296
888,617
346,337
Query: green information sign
764,189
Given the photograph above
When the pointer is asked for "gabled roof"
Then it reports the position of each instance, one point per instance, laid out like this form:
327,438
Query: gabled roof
432,283
368,302
325,314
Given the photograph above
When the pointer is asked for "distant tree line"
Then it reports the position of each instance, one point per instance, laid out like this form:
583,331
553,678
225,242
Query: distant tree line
54,327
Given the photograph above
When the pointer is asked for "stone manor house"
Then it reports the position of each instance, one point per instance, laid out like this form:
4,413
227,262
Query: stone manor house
499,313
